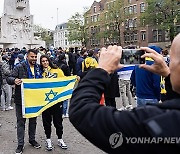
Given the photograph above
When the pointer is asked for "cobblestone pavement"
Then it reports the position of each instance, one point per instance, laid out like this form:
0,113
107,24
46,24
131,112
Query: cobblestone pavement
77,144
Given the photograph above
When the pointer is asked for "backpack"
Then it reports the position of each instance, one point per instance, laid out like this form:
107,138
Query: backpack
88,64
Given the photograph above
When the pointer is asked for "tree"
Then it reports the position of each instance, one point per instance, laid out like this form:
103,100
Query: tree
43,34
76,29
162,13
113,17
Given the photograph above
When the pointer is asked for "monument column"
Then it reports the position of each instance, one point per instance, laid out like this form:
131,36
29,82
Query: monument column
17,25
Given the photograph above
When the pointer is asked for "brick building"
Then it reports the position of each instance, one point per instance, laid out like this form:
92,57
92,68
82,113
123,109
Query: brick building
132,33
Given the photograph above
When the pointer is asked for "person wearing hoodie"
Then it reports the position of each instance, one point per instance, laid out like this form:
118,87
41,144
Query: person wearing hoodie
147,83
19,59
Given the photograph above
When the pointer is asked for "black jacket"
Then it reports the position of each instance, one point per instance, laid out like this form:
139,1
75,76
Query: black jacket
113,88
21,72
103,126
64,67
170,93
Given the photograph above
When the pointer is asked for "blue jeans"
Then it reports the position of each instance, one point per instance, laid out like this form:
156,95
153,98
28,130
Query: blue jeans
142,101
65,107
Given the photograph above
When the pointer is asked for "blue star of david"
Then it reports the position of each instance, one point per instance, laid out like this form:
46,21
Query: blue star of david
50,94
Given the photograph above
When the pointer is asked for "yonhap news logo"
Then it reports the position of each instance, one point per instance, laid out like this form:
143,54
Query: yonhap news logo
117,139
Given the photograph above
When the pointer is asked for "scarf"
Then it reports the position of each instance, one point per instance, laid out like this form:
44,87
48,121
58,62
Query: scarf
37,71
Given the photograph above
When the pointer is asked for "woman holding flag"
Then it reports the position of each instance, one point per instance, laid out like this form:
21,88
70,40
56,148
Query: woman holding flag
55,112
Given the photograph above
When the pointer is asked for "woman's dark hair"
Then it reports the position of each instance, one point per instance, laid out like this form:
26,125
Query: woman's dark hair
49,60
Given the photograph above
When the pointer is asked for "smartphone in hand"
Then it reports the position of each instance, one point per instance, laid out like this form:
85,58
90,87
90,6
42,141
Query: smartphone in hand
132,57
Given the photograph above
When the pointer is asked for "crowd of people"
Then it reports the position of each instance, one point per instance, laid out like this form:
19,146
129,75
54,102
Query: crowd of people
101,77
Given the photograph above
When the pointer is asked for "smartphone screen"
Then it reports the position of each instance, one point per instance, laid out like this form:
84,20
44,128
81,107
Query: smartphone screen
132,56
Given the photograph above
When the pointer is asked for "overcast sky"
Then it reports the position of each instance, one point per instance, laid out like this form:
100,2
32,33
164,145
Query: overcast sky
45,11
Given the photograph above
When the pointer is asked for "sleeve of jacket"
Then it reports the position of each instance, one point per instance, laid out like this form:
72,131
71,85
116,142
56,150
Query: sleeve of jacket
12,76
170,93
79,69
6,69
133,78
97,123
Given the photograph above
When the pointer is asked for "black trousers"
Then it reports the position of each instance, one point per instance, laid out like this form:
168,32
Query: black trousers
53,113
110,101
21,126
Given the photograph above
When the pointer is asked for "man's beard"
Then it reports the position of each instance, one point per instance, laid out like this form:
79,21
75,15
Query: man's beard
32,62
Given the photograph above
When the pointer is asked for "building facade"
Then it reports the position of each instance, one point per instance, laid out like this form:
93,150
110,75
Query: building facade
125,29
61,38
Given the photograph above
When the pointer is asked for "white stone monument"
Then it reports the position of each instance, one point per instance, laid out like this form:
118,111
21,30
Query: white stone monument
16,25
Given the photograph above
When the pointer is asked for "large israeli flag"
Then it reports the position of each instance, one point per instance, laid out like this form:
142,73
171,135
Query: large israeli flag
40,94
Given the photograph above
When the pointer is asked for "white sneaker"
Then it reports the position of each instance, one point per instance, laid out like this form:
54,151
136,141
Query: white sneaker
49,145
121,109
9,108
129,107
62,144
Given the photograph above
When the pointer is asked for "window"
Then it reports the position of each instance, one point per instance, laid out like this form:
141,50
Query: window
94,10
143,35
65,42
134,8
142,7
167,37
91,18
95,18
135,22
130,10
130,23
131,37
98,17
86,20
126,24
126,37
143,22
126,10
157,35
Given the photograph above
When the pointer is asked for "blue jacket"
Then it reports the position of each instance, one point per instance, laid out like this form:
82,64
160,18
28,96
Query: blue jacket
79,66
147,83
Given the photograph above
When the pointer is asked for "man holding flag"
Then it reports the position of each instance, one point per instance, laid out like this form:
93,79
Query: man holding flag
26,70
